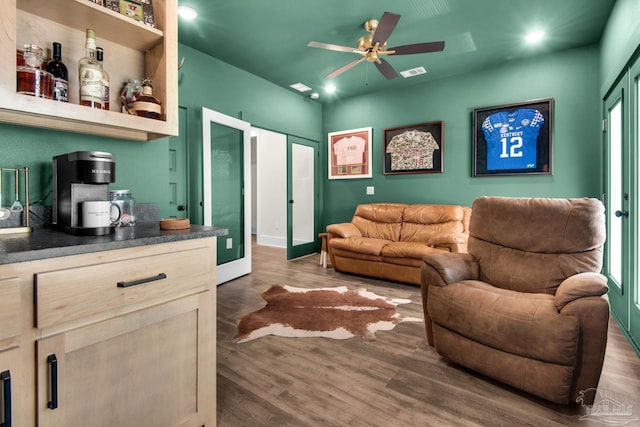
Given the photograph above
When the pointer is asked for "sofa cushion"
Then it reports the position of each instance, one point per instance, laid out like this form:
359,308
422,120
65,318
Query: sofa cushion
413,250
362,245
519,323
423,223
379,220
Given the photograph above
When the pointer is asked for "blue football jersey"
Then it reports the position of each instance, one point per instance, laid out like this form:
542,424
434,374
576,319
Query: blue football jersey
512,139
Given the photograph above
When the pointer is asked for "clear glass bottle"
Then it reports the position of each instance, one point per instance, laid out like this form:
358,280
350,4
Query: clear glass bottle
31,78
122,208
105,79
147,105
90,75
60,75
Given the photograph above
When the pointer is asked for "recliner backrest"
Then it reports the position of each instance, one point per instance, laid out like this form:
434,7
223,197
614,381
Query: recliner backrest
533,244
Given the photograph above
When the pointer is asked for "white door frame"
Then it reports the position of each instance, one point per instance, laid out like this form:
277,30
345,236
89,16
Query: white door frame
240,267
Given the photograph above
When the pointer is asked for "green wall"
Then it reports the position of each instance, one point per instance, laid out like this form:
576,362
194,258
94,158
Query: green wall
620,39
570,77
141,167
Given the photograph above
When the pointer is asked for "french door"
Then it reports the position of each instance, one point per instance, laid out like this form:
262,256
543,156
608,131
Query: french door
303,196
226,165
622,179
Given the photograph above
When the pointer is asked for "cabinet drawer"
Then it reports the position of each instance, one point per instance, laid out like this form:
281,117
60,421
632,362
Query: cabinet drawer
116,287
9,311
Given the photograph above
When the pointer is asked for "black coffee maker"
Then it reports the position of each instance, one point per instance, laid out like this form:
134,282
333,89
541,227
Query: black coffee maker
80,177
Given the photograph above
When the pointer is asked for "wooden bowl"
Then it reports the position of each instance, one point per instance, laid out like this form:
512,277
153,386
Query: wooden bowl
174,224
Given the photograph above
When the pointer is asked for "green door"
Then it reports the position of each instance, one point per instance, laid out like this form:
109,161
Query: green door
617,195
303,196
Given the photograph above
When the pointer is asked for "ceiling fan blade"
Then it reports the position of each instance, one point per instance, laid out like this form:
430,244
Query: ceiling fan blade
344,68
418,48
386,69
385,27
335,47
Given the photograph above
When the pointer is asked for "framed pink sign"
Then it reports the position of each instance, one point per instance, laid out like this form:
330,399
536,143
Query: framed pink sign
350,154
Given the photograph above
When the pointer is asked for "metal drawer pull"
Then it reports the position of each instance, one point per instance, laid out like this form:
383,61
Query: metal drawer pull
6,385
141,281
52,360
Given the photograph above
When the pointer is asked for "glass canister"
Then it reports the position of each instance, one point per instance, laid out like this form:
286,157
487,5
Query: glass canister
122,206
31,79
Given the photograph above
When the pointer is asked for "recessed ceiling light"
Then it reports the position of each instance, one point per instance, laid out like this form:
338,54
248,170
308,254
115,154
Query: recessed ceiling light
330,88
187,12
300,87
535,36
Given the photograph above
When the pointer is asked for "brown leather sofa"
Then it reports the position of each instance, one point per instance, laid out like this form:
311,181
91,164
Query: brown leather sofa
389,240
526,305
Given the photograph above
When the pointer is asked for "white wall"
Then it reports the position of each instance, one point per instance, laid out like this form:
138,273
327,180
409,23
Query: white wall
271,188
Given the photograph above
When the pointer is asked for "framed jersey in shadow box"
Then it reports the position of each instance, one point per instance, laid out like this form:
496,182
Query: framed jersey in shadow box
513,139
414,149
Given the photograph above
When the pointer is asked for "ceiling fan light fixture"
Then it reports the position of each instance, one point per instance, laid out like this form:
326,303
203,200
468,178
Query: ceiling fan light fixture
187,13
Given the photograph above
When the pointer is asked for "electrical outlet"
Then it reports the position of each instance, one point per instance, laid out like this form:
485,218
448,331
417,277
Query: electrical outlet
229,243
370,190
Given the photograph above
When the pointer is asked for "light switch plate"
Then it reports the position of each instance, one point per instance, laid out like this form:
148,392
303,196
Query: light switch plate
229,243
370,191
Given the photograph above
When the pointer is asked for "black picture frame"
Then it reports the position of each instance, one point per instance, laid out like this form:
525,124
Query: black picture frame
518,143
414,149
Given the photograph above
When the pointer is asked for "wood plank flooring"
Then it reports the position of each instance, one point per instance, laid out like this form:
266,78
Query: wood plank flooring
397,380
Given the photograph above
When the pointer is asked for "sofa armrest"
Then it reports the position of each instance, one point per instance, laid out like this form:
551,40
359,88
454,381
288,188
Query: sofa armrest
452,242
579,286
444,268
345,229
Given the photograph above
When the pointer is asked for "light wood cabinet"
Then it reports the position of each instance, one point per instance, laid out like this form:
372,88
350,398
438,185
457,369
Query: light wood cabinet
11,381
132,50
119,338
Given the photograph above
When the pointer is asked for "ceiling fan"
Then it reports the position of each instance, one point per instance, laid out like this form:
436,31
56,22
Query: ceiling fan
373,45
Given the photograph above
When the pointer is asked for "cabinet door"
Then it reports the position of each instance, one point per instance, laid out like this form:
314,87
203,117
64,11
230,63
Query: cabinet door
153,367
10,388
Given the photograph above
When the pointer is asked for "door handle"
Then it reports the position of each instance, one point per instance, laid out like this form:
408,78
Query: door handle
291,201
5,377
622,213
182,207
52,360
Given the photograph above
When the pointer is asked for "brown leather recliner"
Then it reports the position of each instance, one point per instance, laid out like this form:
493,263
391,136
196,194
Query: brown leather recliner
526,305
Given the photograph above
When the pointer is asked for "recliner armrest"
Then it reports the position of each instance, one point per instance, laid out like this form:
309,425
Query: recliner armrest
345,229
450,267
578,286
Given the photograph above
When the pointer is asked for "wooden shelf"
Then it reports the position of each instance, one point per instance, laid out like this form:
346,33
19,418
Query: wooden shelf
137,51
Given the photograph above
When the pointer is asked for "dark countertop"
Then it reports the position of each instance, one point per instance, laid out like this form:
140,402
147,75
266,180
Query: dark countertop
46,243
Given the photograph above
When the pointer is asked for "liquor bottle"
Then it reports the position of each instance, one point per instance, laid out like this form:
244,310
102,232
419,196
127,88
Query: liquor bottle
60,75
146,105
90,75
105,79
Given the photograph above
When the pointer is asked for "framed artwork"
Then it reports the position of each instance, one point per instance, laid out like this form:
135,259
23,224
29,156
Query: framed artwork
414,149
513,139
350,154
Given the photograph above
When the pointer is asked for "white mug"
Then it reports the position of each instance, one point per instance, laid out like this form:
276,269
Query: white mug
96,213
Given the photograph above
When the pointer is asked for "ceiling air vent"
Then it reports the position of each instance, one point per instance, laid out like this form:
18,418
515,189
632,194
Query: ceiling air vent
413,72
300,87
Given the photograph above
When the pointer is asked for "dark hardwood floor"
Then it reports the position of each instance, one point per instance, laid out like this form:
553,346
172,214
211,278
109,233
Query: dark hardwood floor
396,380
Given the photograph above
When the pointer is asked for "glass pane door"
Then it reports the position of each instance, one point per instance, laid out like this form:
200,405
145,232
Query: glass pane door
617,201
227,190
302,183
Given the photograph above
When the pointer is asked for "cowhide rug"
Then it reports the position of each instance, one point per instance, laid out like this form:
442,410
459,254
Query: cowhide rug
337,313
